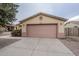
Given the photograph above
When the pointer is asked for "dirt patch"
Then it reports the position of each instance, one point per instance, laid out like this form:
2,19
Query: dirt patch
6,42
73,45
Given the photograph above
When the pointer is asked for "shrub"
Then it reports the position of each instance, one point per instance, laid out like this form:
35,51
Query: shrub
16,33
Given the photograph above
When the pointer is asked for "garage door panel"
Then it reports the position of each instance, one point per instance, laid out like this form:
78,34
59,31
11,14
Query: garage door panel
42,30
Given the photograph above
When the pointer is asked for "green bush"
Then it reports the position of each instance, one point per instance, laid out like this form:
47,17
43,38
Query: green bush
16,33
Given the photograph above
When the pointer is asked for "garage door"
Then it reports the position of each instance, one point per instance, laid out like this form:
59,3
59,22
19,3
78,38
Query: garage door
42,31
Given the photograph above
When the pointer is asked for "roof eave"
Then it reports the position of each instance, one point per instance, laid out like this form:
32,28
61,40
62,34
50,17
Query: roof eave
52,16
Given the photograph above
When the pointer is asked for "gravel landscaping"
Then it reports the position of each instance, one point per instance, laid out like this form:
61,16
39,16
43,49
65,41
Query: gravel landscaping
6,42
73,45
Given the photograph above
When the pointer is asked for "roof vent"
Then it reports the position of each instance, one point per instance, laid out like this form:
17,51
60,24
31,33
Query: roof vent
41,17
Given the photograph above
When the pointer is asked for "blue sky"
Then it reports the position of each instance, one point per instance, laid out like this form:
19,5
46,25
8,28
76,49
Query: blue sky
65,10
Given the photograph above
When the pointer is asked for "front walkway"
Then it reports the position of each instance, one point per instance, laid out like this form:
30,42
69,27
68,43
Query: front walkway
35,47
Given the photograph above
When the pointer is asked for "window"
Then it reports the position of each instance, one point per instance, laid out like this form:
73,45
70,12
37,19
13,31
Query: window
75,27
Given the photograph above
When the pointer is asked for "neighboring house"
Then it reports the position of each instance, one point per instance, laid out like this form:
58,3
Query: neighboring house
8,27
72,27
43,25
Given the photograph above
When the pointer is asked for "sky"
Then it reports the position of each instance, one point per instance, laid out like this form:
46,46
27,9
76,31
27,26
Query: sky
65,10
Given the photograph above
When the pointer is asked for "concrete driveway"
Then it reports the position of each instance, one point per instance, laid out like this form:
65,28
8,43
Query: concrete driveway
36,47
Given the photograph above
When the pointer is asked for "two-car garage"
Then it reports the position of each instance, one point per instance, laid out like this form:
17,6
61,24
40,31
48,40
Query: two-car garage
42,30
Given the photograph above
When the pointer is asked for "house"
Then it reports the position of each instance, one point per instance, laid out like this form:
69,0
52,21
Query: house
7,27
72,27
43,25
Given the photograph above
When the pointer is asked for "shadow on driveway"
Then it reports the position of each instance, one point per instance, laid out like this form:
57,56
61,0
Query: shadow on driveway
6,42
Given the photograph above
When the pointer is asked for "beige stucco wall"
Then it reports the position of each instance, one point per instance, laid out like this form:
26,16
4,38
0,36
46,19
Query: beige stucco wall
45,20
70,25
17,27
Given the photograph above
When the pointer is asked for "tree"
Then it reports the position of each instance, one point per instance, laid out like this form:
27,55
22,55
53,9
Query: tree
7,13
